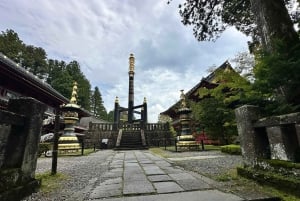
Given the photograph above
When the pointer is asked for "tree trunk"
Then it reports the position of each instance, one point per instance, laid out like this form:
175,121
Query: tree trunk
273,22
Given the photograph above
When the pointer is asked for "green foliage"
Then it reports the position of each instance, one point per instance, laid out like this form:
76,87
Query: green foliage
281,182
210,18
215,110
63,83
231,149
278,75
11,45
97,107
110,116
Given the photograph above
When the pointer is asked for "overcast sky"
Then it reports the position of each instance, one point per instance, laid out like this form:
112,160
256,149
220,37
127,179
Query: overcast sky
100,35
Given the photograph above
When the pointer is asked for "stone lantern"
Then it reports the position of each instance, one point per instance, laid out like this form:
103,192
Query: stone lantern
68,142
185,137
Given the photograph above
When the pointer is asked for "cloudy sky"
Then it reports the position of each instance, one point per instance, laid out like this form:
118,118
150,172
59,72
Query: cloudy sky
100,35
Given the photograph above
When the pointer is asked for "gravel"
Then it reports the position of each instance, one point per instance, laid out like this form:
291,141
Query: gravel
82,173
211,167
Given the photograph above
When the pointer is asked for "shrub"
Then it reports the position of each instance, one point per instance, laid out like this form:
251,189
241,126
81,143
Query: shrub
231,149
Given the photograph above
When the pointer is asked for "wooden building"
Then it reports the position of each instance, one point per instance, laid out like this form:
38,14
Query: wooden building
208,82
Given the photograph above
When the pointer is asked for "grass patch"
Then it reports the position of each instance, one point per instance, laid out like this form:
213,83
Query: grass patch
160,151
50,182
228,176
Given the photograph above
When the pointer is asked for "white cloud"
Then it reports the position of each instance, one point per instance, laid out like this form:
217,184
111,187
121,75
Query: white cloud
100,35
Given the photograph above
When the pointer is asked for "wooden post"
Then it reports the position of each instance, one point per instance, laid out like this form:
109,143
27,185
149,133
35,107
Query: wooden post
55,144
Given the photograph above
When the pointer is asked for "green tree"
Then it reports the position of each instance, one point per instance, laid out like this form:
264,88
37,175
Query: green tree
35,60
11,45
265,19
63,83
84,86
97,107
272,29
215,110
110,116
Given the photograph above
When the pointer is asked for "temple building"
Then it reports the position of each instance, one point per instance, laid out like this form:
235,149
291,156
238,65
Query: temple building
208,82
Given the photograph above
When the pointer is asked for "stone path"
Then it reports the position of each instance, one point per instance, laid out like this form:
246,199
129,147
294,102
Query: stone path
140,175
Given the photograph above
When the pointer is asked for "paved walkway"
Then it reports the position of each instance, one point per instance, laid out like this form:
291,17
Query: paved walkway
140,175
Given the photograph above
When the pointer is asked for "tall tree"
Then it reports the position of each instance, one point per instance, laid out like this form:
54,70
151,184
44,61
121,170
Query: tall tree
110,116
84,86
11,45
35,60
97,107
210,18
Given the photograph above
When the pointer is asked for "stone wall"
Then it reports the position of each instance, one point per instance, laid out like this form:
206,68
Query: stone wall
20,130
276,137
155,134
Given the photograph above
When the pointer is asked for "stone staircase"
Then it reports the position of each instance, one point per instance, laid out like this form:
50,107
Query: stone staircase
130,140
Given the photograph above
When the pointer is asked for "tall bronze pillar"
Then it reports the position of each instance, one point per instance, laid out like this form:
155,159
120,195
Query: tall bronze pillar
131,89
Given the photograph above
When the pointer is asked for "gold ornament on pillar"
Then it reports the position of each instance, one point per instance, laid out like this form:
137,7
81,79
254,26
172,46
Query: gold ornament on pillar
131,63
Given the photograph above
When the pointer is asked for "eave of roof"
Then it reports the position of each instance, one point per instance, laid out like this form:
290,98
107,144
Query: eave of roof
17,79
204,82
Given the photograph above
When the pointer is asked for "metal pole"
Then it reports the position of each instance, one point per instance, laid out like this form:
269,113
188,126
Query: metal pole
55,143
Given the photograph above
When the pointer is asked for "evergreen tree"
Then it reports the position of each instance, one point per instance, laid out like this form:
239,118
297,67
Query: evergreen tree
11,45
110,116
84,86
97,107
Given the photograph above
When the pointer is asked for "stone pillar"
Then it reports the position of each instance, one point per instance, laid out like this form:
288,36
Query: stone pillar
4,132
131,89
245,116
145,119
23,142
116,114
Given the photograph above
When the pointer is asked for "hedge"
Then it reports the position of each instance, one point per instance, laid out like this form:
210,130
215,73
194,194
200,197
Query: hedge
231,149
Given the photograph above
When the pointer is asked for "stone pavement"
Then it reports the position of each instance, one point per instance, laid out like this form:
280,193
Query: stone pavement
140,175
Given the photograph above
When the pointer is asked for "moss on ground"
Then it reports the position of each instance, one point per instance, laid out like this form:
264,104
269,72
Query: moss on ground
50,182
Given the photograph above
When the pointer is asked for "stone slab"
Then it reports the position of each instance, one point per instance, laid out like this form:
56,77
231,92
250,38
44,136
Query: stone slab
181,176
153,170
134,177
171,170
158,178
104,191
167,187
208,195
138,187
193,184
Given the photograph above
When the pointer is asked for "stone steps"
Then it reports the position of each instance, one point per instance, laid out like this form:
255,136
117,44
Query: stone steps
131,140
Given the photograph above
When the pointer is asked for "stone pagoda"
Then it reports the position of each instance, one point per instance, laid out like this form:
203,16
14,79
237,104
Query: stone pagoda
185,137
68,142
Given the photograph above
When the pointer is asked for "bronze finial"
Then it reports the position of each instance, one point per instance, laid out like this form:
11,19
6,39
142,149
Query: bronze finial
74,94
117,99
131,63
182,98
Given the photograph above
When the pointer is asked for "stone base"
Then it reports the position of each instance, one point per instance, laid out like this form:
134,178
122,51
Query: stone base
18,192
68,145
